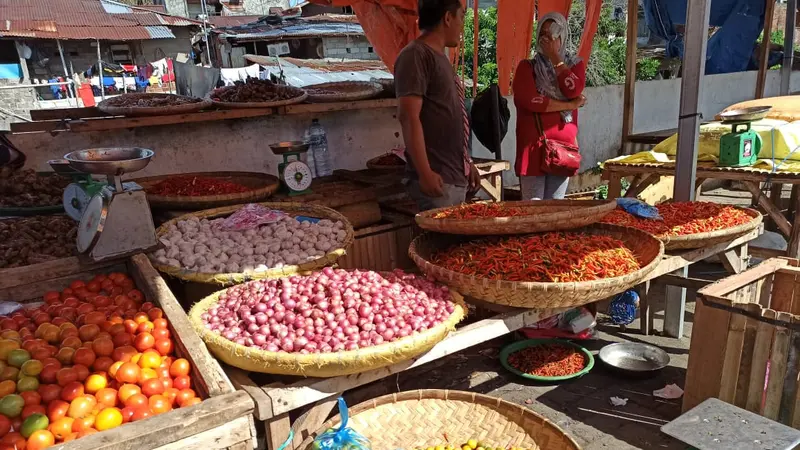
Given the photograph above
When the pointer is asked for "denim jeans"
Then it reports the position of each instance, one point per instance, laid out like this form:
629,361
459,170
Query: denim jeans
453,195
543,187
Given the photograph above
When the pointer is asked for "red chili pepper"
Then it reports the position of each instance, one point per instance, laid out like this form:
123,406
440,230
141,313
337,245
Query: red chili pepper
549,257
483,211
548,360
196,186
682,218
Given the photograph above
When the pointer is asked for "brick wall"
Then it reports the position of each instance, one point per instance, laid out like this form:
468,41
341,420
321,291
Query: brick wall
19,101
348,47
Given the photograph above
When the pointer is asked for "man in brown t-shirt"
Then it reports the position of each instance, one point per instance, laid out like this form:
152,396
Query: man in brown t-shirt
431,110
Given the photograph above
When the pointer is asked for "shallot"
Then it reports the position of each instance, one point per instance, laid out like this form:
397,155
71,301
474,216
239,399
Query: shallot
328,311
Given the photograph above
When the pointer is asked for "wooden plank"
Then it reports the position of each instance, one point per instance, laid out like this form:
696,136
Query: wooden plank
793,247
676,261
645,309
755,175
232,433
733,357
758,368
734,260
629,93
766,253
66,113
168,427
706,355
18,276
153,286
674,280
614,187
315,108
774,212
746,364
634,191
763,54
241,380
277,430
294,396
734,282
36,289
310,421
783,289
777,369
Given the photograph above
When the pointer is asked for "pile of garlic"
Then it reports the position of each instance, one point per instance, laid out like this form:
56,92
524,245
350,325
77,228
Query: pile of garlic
201,245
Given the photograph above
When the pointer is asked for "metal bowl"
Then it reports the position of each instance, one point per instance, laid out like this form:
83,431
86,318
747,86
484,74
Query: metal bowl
634,358
110,161
745,114
280,148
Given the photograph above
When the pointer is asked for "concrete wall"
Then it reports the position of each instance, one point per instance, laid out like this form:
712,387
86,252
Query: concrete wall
155,49
18,101
356,136
348,47
177,8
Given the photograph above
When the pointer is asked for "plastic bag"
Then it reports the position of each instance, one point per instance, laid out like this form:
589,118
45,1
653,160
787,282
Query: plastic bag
8,308
251,216
622,308
343,437
639,208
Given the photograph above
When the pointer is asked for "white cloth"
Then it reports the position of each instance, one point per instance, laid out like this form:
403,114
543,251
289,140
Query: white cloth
230,76
160,67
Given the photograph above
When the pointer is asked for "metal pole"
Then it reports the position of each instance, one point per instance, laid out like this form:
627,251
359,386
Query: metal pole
100,70
788,46
475,27
205,30
66,72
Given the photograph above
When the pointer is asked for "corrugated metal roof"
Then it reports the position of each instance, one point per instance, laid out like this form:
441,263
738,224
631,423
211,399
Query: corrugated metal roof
160,32
232,21
294,29
323,65
84,19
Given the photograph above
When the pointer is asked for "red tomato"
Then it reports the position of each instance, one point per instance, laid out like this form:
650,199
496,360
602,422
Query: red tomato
184,395
103,346
106,396
127,373
164,346
31,397
5,425
32,409
102,364
84,357
161,324
49,392
40,439
122,340
71,391
14,440
141,413
152,387
137,401
159,404
171,394
180,367
80,408
66,375
182,382
57,409
127,414
144,341
166,381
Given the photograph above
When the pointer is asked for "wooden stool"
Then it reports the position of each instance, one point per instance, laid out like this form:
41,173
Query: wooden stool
714,424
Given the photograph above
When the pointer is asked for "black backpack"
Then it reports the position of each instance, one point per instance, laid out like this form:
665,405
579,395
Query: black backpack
490,116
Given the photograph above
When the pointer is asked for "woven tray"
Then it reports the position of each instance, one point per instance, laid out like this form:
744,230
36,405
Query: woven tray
713,237
647,249
263,185
346,91
546,215
301,96
372,164
109,106
322,364
421,419
227,279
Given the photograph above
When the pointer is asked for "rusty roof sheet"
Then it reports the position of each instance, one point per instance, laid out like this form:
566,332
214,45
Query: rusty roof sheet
84,19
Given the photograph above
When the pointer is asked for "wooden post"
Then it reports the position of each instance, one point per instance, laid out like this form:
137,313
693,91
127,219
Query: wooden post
475,27
763,56
630,73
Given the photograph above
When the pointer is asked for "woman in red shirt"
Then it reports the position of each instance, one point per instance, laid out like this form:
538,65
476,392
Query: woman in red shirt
550,85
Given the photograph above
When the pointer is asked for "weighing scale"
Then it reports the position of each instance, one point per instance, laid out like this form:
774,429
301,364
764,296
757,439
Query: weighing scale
115,221
741,146
295,175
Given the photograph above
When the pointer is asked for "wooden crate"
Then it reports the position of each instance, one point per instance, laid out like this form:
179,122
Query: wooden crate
745,345
223,420
381,247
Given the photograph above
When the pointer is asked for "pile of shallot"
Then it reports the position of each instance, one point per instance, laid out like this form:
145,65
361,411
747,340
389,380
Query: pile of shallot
203,245
328,311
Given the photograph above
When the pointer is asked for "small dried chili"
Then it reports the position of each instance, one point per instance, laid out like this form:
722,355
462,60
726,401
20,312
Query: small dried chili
549,257
682,218
192,186
548,360
482,211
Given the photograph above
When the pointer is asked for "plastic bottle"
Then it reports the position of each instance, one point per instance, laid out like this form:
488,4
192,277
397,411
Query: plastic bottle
319,148
308,157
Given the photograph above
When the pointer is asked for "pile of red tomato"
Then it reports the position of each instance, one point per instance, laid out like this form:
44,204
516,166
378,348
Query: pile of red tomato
92,358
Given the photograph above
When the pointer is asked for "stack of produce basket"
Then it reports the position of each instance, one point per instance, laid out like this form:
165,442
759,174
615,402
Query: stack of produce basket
541,254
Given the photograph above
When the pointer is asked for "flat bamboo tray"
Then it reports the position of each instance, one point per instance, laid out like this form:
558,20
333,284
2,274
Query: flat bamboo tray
710,238
345,91
647,249
322,364
221,421
300,96
425,418
226,279
263,185
109,106
545,215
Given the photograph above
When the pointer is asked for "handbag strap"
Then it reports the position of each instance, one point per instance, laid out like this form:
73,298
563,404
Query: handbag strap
537,115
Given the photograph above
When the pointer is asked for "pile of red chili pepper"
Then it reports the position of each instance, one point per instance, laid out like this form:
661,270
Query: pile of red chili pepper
192,186
556,257
550,360
483,211
682,218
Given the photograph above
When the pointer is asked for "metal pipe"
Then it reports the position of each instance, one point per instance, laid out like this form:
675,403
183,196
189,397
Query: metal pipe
100,70
28,86
66,72
788,43
204,8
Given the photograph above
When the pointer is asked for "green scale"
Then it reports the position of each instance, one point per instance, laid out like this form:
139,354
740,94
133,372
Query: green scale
740,147
294,173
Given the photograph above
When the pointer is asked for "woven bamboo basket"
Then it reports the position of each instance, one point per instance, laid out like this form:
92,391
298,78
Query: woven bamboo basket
343,91
647,249
372,163
262,186
545,215
422,419
111,106
227,279
322,364
299,96
712,237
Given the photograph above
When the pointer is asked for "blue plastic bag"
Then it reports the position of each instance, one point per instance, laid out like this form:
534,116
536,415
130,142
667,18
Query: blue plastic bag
342,438
622,308
639,208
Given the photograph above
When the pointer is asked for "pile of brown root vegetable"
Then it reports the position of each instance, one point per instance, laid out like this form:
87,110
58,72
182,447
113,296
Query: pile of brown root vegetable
255,91
150,100
27,189
32,240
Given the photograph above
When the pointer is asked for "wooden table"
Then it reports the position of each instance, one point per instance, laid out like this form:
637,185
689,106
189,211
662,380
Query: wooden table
274,401
491,172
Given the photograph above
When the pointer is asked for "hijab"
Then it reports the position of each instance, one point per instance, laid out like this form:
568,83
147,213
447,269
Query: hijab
546,79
